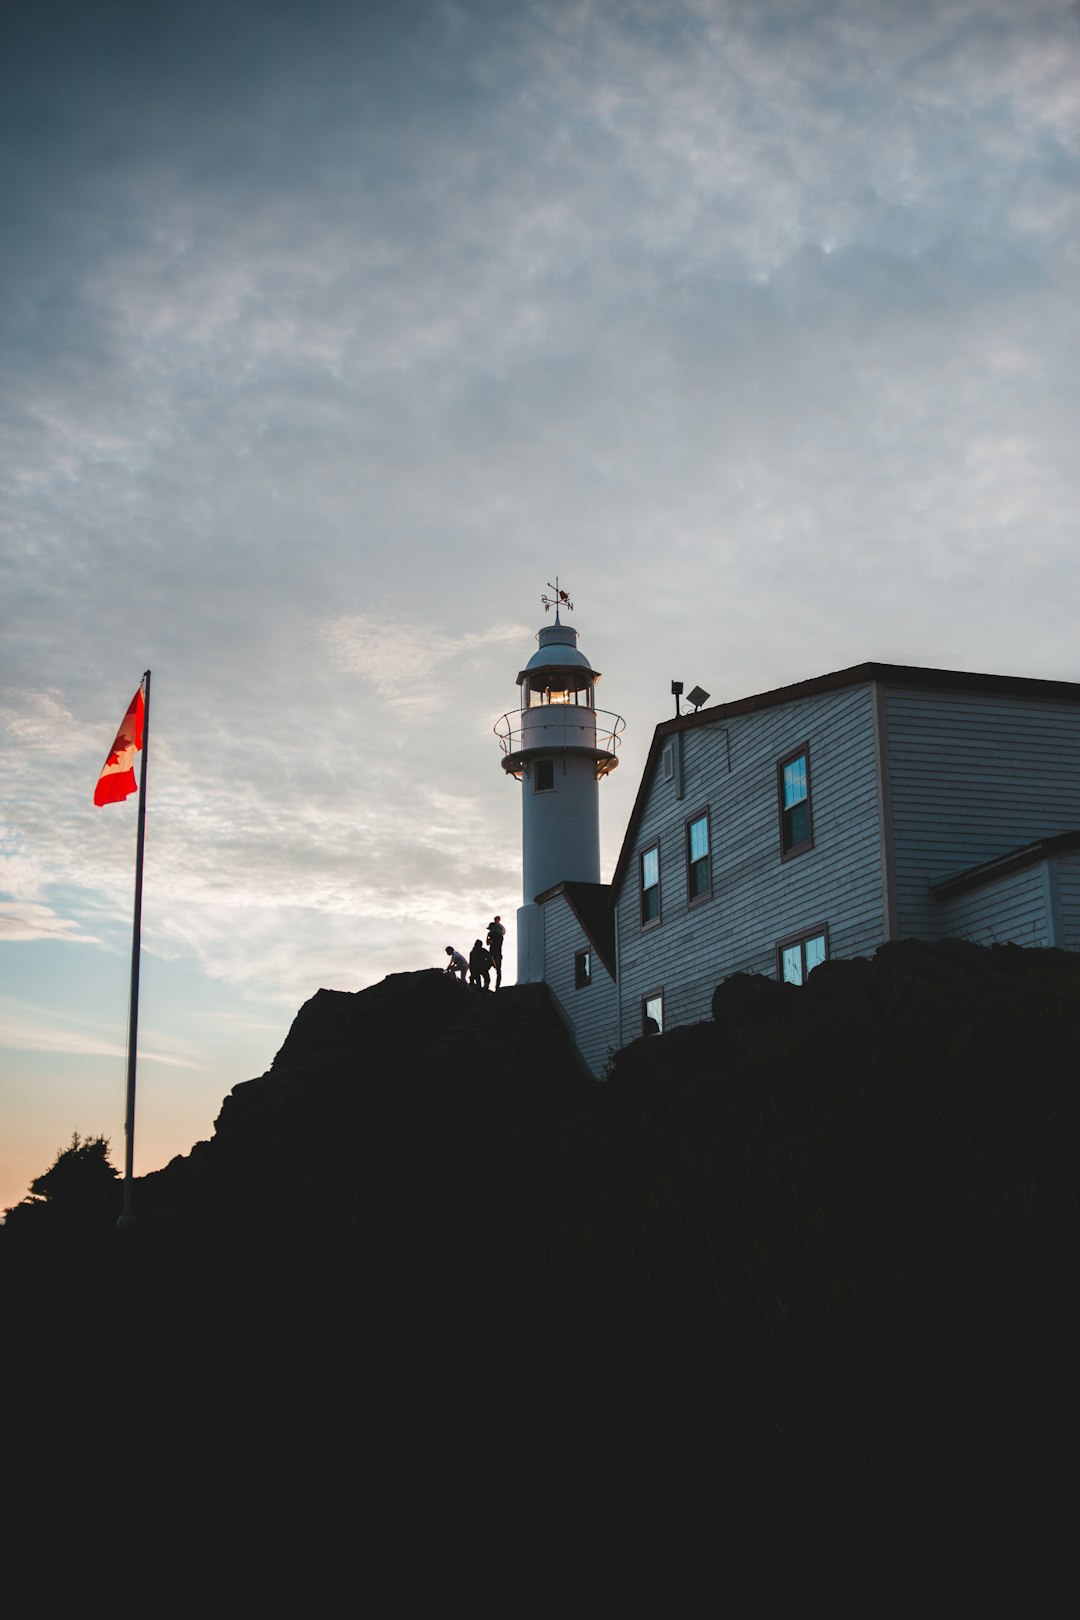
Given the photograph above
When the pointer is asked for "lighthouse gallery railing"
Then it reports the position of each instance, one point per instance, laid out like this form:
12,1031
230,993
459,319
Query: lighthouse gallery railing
561,726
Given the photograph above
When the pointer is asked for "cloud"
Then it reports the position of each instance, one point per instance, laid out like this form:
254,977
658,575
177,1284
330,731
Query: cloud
406,661
22,920
26,1031
38,720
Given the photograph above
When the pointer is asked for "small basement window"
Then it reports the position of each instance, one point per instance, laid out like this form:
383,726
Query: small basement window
652,1013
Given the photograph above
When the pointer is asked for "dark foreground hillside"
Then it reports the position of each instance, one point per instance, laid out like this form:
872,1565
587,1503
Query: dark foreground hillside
831,1235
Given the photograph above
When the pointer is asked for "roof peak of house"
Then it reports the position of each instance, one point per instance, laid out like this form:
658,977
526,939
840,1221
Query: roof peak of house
892,674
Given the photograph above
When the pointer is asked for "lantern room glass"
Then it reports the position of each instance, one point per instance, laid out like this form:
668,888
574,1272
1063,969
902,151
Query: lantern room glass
562,688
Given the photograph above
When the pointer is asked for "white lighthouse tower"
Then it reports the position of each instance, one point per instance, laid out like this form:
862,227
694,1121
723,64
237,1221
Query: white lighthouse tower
559,746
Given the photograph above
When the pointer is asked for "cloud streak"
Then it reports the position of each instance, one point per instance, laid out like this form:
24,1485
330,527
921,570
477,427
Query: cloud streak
25,1032
414,667
21,921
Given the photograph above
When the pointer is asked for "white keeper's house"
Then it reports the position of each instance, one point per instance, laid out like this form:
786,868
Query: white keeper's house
822,819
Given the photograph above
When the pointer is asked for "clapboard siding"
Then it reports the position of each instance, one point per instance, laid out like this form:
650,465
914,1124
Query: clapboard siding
973,776
1067,872
1010,908
757,897
592,1011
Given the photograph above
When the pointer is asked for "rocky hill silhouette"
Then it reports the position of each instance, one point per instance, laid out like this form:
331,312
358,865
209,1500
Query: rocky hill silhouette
832,1231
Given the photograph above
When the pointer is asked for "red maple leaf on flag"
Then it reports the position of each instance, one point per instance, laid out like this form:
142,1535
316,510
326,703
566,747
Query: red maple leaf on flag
117,779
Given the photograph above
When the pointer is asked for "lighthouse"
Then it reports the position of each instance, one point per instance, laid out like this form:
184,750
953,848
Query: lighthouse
559,746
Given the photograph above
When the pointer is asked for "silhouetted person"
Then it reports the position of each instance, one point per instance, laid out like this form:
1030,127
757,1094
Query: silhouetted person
495,935
479,967
457,966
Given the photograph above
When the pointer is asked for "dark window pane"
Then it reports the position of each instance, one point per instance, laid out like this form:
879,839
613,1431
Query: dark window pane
797,822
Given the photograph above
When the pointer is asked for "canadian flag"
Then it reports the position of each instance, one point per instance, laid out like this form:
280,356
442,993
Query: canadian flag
117,777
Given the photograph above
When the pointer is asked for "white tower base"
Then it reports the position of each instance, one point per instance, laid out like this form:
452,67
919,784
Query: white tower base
530,945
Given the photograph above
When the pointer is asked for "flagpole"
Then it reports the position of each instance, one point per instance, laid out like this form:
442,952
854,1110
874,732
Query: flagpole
127,1217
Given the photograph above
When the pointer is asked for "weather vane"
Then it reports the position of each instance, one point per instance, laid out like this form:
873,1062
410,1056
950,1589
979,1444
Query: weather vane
560,599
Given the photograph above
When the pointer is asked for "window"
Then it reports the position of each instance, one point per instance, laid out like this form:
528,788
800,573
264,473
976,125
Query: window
698,865
652,1013
544,776
799,956
582,969
650,886
561,691
793,783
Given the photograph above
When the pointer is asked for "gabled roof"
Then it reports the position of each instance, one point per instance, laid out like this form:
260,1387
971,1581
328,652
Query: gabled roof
591,905
948,680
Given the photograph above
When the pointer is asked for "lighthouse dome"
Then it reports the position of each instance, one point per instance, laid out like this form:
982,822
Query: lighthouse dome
558,649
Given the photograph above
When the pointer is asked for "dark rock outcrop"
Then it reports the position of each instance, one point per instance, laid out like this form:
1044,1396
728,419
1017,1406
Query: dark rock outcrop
367,1085
832,1231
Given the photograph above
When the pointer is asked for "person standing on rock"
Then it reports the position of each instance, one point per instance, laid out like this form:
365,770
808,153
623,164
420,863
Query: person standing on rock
479,967
495,935
457,966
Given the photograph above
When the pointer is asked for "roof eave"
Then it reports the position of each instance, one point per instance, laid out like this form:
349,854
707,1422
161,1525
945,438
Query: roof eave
912,675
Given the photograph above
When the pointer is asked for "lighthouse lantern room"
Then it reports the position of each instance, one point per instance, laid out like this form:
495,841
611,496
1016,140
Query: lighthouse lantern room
559,746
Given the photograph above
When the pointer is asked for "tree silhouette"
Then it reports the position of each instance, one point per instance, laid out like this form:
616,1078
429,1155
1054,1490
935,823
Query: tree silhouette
78,1190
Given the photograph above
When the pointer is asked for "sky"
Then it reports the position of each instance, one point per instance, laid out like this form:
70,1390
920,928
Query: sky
332,333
